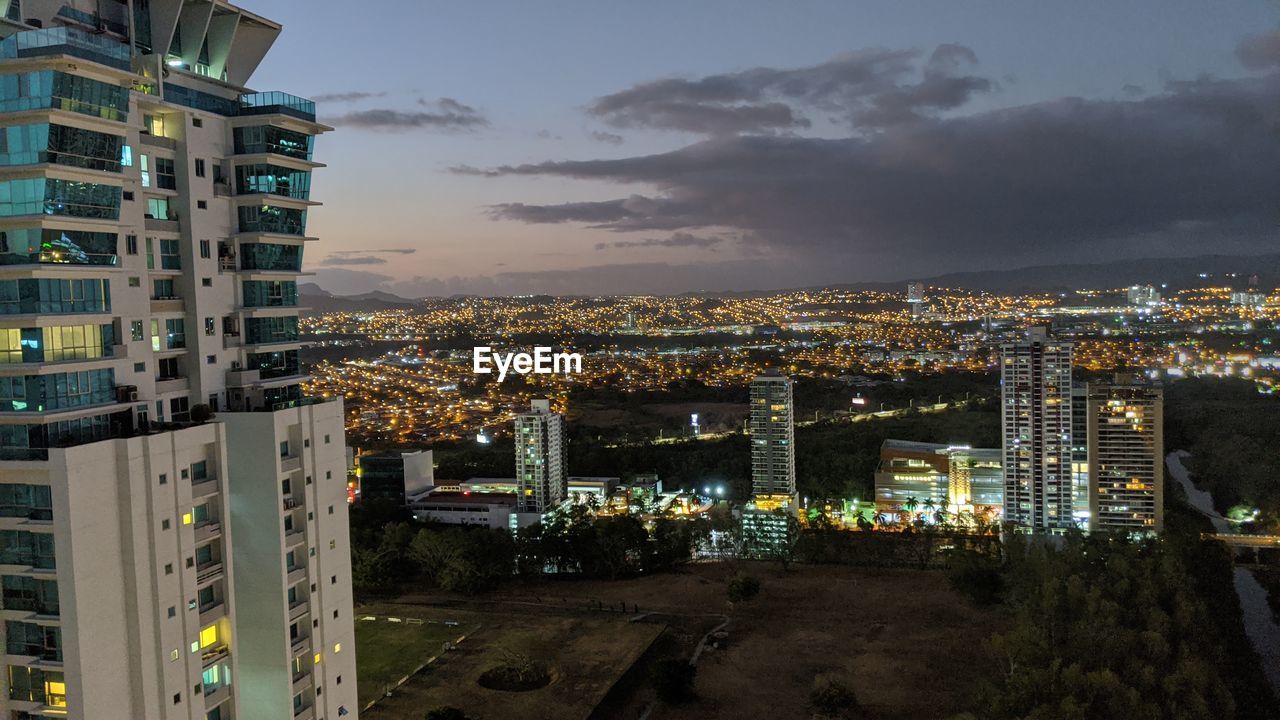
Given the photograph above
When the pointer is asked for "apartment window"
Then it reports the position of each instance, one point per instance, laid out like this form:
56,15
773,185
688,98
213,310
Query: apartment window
333,544
127,195
135,330
139,367
179,409
166,178
330,509
306,442
199,167
170,255
131,244
210,359
338,680
209,328
164,479
186,473
144,165
202,205
333,580
135,281
168,569
326,439
158,208
204,248
177,698
126,156
173,611
328,474
197,122
206,282
164,524
167,369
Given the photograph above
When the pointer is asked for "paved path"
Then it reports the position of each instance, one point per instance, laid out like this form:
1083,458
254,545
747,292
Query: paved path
1259,623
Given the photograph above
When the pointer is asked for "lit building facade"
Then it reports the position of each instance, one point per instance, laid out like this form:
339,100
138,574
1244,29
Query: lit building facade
541,472
1126,459
773,452
1036,418
173,543
930,477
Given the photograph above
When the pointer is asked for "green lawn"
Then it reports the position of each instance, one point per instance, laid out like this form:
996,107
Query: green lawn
386,651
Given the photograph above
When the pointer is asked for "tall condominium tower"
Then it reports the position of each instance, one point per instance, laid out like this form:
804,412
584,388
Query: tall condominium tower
1035,379
541,472
173,531
773,452
1126,456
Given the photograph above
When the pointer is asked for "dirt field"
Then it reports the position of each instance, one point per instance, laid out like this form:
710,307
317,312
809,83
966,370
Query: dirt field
585,656
903,641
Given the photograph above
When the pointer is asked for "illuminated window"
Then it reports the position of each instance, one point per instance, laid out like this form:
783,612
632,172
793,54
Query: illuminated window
208,636
317,659
186,518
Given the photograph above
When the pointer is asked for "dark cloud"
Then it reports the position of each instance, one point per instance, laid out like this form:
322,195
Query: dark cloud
344,259
676,240
1197,164
1259,52
607,137
444,114
1133,91
867,88
342,97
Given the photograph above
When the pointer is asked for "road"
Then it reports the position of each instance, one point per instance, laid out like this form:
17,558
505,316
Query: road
1259,624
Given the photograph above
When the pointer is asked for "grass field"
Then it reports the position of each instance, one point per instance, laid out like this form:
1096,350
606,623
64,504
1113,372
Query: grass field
585,657
386,651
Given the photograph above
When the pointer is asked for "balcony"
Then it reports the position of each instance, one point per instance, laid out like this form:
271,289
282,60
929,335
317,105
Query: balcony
298,609
295,536
206,531
296,574
299,644
211,612
208,572
291,463
158,141
167,305
231,340
302,681
171,385
277,103
226,263
213,654
243,377
69,41
216,696
119,351
221,188
204,488
158,225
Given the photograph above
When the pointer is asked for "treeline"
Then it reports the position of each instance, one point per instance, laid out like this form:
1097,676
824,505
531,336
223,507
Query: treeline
1233,434
1108,628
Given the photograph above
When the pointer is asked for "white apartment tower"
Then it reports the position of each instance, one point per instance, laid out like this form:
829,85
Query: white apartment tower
173,531
541,472
1035,380
1126,456
773,452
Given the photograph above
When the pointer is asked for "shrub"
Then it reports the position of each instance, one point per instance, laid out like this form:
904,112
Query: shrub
743,587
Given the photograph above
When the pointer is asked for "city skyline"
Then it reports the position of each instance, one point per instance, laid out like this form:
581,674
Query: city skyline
764,148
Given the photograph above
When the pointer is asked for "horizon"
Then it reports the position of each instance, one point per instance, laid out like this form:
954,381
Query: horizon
767,148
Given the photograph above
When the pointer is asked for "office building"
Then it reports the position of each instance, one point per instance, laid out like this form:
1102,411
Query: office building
1143,295
773,453
929,478
174,539
915,297
1126,458
1035,389
394,475
541,473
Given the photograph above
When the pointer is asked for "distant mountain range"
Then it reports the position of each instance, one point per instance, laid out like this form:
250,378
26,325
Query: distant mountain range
1174,272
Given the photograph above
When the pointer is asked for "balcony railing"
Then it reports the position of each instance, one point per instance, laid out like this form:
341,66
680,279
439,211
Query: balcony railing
69,41
266,103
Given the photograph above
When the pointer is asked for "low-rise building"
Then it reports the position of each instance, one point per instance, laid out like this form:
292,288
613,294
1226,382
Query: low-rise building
916,476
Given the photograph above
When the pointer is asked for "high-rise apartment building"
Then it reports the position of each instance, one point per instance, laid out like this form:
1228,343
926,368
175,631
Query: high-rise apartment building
773,452
541,471
173,533
1035,380
1126,455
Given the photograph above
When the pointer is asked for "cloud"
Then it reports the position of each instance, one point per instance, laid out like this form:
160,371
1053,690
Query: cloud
1070,177
344,97
607,137
344,259
341,281
444,114
394,251
1133,91
1259,52
676,240
868,88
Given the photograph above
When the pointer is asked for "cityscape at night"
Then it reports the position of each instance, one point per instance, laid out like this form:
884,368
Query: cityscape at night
516,360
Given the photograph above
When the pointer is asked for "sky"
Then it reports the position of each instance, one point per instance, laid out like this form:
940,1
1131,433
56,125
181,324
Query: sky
587,147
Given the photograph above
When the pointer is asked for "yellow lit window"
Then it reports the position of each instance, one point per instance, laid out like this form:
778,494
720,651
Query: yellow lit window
55,693
337,647
317,659
208,636
186,518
